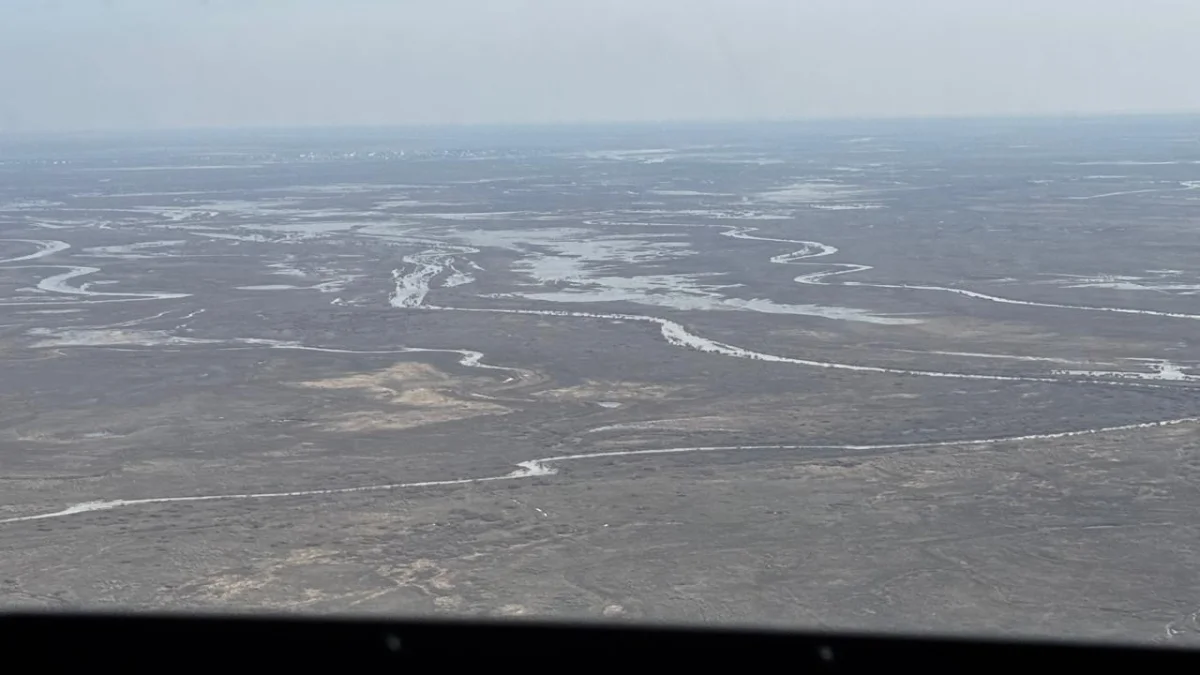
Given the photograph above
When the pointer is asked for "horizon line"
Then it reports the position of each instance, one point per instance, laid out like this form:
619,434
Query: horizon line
568,124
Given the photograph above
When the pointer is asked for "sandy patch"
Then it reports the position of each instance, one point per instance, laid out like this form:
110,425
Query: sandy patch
408,395
610,392
230,587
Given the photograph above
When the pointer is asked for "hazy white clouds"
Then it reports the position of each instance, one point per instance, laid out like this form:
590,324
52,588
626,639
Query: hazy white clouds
79,64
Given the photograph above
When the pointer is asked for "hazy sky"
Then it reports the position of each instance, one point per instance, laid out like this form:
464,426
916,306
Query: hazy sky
96,64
